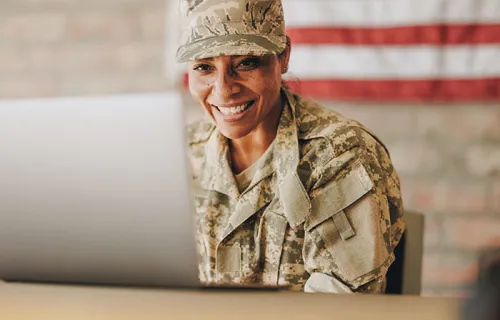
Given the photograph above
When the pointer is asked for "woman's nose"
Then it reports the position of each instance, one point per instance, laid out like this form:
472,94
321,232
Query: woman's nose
225,85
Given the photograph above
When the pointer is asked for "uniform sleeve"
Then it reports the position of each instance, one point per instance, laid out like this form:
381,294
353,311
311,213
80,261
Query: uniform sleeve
355,223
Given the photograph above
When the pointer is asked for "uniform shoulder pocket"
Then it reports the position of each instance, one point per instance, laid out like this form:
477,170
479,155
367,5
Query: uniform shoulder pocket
346,217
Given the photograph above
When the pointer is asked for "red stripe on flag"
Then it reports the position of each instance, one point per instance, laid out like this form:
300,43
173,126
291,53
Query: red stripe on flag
401,90
409,35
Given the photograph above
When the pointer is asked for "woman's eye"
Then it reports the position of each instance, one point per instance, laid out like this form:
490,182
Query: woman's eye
202,68
248,64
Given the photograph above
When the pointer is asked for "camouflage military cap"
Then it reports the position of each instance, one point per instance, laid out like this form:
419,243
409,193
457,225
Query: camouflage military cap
231,27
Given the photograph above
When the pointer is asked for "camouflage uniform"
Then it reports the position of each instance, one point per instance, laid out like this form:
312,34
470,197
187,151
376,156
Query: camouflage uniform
323,211
325,206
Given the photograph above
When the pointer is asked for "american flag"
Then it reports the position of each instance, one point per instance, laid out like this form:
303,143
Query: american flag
395,50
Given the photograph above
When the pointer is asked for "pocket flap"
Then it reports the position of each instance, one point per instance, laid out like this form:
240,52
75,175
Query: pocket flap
294,198
339,194
229,259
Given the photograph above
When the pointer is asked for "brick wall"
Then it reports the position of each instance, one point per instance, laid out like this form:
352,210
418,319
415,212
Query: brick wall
448,157
72,47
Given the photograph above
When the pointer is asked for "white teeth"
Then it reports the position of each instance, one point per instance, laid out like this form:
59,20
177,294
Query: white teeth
233,110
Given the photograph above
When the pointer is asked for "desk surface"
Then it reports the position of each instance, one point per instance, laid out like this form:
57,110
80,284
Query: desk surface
29,301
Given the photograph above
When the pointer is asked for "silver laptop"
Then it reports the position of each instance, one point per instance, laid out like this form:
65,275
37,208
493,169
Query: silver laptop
96,190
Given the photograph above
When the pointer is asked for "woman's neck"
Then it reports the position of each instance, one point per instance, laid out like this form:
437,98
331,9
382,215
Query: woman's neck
245,151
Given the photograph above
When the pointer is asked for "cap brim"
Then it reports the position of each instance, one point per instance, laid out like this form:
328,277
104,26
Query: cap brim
228,45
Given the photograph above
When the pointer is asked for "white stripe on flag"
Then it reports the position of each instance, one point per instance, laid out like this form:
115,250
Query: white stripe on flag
334,62
377,13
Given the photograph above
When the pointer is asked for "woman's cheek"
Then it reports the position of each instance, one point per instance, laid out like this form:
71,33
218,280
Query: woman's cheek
200,89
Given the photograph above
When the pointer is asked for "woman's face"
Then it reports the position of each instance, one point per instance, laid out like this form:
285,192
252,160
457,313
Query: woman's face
237,92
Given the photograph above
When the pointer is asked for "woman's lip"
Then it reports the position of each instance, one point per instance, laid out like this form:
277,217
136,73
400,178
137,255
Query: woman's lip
232,105
235,117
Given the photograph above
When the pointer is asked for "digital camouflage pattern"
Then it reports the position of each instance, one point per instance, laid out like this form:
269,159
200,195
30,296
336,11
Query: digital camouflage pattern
231,27
325,206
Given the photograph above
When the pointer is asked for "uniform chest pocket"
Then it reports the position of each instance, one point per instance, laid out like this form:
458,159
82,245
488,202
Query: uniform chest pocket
211,219
253,252
347,217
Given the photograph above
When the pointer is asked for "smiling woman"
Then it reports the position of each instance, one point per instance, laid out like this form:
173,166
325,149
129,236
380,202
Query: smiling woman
289,193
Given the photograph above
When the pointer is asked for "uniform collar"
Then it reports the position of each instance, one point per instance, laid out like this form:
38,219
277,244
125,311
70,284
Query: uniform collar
286,153
216,173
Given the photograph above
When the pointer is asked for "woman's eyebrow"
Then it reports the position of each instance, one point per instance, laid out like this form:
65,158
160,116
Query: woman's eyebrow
205,59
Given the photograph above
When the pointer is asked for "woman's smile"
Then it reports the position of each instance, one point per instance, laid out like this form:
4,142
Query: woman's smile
233,112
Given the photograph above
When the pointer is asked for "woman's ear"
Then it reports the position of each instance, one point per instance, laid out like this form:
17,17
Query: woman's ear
284,57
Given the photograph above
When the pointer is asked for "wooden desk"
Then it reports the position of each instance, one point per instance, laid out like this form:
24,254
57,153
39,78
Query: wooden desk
40,302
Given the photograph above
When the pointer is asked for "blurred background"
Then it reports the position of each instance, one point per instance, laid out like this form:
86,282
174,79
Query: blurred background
424,75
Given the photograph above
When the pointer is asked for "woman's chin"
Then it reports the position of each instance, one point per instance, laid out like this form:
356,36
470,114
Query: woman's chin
233,133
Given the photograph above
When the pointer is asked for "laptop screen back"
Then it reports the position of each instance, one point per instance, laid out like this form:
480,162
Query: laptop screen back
96,190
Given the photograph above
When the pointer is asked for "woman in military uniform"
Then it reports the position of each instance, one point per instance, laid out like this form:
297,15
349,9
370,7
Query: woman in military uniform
288,192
